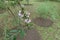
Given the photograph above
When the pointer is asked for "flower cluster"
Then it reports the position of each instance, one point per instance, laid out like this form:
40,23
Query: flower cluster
27,20
25,16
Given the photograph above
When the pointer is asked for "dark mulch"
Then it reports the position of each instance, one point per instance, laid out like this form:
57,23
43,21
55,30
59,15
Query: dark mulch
43,22
32,35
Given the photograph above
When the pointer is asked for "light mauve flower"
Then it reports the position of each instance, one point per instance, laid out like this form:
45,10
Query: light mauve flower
27,20
20,14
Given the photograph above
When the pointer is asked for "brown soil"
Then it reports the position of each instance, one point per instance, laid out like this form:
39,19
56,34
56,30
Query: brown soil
32,35
1,32
1,11
42,22
28,4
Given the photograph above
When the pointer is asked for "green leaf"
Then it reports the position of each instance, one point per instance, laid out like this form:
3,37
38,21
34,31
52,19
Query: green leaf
14,38
2,5
22,33
13,31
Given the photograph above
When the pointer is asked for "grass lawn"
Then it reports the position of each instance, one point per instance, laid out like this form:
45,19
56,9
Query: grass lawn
47,33
52,32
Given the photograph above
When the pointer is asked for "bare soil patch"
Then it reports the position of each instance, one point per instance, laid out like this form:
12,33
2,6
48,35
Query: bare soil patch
32,35
43,22
1,32
1,11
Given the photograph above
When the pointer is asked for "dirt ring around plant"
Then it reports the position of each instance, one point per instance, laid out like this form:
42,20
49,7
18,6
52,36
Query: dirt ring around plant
44,22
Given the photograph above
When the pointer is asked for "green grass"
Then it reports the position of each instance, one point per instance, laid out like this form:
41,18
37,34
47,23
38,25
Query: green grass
50,33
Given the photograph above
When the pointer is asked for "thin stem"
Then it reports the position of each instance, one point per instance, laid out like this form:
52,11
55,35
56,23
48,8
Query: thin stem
5,32
12,13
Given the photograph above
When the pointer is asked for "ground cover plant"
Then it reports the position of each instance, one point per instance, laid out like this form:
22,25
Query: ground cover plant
11,34
13,28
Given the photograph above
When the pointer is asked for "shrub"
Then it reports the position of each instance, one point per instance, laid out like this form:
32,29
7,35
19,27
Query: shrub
49,0
47,10
2,5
